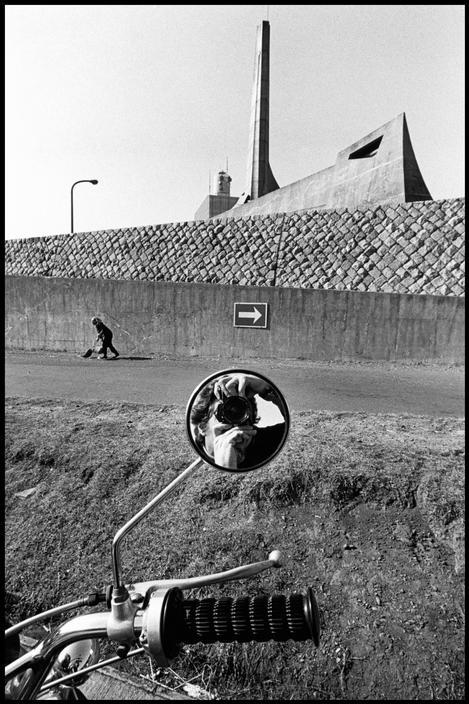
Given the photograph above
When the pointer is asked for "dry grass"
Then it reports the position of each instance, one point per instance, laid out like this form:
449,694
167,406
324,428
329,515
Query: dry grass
362,506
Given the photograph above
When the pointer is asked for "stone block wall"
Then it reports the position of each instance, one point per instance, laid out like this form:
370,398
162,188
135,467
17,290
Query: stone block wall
415,248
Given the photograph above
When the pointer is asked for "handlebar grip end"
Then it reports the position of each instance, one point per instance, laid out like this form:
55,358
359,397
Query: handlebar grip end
276,557
311,610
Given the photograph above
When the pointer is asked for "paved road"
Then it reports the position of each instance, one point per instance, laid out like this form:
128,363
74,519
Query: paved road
365,387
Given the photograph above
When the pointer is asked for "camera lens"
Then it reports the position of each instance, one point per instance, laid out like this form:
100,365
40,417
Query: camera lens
236,410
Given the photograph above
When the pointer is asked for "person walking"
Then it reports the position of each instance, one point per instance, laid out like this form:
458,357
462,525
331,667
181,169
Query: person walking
105,338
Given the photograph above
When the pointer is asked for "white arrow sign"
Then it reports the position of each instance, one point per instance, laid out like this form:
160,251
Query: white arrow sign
254,315
250,314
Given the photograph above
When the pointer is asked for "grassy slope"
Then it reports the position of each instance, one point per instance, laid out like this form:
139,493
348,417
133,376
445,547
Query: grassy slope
366,509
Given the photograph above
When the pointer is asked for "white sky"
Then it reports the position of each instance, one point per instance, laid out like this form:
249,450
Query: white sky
149,99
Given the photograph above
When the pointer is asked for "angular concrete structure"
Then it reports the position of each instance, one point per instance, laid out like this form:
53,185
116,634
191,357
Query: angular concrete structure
380,168
260,179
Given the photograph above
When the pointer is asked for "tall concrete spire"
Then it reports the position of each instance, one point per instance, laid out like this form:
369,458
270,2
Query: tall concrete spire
260,179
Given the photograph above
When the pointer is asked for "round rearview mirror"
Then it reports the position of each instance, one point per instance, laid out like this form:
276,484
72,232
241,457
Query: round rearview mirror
237,420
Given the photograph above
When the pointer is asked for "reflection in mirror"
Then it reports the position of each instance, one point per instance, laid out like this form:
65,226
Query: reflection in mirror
75,657
237,420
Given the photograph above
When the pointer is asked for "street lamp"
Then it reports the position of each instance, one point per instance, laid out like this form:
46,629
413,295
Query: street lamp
86,180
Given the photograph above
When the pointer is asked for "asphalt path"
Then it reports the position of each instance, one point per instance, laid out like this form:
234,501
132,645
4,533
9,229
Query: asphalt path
430,390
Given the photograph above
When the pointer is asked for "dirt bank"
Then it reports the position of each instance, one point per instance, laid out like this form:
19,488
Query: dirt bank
367,509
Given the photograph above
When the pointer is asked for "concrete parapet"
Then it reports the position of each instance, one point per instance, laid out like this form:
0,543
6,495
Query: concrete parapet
187,319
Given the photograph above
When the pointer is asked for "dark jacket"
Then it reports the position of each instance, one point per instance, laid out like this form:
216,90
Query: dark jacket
265,443
104,333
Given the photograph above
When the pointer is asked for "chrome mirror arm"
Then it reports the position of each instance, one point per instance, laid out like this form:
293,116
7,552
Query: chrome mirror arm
141,514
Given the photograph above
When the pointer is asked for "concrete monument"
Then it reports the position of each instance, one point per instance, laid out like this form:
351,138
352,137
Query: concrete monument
379,168
260,179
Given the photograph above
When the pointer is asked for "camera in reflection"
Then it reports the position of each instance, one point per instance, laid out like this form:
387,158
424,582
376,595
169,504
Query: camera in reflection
236,410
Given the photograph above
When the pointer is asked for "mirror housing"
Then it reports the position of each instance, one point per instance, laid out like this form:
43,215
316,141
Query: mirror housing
237,420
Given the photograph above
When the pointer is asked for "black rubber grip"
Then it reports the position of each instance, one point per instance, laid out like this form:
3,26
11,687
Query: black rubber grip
252,618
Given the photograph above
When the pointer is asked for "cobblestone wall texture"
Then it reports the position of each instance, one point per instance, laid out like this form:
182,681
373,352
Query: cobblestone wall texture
410,248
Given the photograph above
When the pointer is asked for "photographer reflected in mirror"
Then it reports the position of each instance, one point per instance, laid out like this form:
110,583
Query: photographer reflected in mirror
238,421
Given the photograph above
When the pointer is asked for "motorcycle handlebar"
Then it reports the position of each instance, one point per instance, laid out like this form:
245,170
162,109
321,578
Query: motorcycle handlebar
169,621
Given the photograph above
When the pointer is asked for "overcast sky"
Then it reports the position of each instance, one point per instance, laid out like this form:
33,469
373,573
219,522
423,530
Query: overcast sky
151,99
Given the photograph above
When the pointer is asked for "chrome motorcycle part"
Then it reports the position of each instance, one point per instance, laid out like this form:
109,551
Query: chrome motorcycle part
120,626
237,420
73,659
87,671
90,600
40,659
163,625
115,550
274,560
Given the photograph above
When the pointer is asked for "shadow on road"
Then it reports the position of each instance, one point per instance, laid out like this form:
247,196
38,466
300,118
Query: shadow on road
127,358
115,359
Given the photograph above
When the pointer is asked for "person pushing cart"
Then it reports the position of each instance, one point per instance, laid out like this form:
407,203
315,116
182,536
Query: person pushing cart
103,339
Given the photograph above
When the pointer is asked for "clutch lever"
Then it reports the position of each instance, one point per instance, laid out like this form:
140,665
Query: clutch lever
273,560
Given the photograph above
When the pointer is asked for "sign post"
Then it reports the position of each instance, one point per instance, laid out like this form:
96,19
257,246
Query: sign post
250,315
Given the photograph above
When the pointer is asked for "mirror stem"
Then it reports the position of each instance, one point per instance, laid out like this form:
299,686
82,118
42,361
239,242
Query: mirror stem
141,514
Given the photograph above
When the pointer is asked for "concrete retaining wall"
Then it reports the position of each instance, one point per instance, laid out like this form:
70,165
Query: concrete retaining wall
197,319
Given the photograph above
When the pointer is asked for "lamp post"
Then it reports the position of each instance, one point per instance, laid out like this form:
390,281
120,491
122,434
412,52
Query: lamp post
86,180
